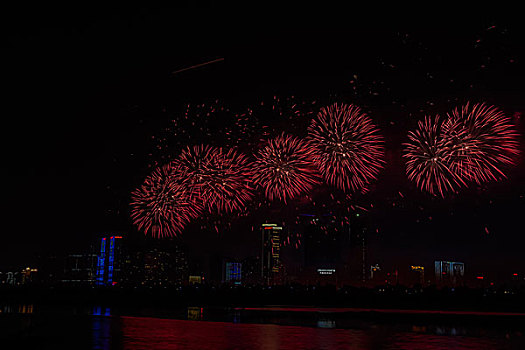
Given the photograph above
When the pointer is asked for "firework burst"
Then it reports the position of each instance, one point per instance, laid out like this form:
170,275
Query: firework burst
482,141
284,168
429,160
162,205
220,178
472,144
347,145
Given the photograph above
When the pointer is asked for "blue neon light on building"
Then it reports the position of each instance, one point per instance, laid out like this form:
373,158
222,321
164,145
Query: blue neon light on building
111,259
101,262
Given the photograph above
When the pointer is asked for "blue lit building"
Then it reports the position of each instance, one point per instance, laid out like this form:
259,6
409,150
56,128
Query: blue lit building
233,273
109,262
101,262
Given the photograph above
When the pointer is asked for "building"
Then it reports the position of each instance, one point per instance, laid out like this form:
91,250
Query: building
11,278
165,266
251,270
154,265
181,268
51,269
109,261
416,275
80,269
449,273
374,272
270,253
133,269
28,275
195,279
158,267
358,245
232,273
321,242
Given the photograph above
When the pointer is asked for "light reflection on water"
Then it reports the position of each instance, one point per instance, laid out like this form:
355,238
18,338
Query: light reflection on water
326,323
151,333
101,311
195,313
196,327
101,328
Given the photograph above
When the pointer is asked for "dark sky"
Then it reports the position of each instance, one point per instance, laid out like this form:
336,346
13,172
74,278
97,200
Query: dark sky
87,87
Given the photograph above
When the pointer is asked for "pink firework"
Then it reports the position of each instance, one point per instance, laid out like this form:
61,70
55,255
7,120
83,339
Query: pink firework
221,178
483,140
347,146
162,205
284,168
429,160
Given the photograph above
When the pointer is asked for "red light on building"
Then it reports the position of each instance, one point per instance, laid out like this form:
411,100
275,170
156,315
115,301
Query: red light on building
514,274
479,277
117,237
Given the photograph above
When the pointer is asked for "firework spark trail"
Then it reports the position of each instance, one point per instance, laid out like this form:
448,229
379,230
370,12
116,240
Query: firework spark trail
429,161
162,206
284,168
483,140
198,65
220,178
348,147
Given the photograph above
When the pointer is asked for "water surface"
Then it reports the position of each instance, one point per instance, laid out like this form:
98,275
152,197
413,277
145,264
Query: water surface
25,326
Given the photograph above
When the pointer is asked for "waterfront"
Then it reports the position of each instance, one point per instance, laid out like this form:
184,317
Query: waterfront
28,326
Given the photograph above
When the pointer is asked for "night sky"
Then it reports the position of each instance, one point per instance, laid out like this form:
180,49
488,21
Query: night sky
90,92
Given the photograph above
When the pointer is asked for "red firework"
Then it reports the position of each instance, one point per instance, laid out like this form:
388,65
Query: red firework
483,140
162,205
285,168
220,178
430,163
348,148
472,144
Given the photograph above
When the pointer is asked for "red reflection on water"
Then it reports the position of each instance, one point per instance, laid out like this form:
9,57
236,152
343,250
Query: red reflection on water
153,333
411,341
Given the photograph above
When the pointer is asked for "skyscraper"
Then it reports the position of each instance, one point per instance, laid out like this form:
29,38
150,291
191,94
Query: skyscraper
270,252
109,262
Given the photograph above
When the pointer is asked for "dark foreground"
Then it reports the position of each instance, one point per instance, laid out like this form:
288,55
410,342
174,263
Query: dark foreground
99,327
502,299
